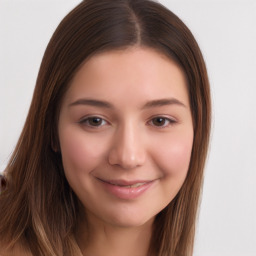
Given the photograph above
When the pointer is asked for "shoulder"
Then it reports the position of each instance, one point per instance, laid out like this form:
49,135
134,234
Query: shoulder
16,250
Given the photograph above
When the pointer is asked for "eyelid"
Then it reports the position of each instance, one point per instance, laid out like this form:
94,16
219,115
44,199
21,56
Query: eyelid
85,119
172,121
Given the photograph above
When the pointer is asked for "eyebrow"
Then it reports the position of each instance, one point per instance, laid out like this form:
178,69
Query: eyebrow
149,104
163,102
92,102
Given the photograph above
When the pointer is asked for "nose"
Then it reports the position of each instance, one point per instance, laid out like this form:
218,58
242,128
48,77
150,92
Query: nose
128,151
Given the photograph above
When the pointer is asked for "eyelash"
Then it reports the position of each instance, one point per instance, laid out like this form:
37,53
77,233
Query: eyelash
86,121
167,122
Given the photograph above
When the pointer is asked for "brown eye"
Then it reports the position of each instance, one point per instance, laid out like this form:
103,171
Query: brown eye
93,121
162,121
159,121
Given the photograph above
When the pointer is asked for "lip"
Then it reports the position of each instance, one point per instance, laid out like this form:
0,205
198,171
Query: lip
126,189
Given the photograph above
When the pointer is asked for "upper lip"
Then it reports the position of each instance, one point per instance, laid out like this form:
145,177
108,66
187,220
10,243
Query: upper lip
124,182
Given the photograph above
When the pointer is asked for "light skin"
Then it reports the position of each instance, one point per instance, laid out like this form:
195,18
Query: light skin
125,119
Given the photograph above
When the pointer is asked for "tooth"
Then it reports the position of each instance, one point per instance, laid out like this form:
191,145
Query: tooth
136,185
130,186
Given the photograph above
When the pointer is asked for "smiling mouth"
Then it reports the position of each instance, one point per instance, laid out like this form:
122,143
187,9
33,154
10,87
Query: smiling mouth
126,184
135,185
126,190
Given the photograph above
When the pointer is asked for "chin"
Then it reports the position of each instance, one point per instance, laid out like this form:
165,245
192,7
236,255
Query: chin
131,222
129,219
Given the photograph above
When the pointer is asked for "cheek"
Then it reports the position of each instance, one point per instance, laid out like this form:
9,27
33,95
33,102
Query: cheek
172,159
173,155
80,153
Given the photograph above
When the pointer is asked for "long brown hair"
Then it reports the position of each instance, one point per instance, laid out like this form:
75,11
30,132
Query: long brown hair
38,207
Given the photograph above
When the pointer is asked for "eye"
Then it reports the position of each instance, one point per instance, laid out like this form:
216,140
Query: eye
93,121
161,121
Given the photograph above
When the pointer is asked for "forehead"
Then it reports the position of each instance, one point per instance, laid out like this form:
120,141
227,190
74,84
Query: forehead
137,72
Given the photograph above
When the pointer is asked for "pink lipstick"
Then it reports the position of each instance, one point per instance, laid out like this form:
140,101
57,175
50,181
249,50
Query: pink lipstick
126,189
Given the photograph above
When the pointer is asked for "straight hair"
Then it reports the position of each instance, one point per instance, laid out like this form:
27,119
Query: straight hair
39,210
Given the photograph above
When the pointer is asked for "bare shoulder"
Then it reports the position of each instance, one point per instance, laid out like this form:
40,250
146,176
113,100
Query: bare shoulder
16,250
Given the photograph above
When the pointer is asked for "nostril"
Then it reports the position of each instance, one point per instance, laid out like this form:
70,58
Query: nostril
125,161
127,152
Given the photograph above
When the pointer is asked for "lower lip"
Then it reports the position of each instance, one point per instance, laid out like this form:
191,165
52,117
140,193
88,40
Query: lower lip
125,192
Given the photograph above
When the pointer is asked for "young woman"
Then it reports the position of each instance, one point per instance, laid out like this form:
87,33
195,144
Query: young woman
111,157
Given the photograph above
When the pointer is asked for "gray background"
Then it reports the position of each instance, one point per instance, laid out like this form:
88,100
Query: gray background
225,30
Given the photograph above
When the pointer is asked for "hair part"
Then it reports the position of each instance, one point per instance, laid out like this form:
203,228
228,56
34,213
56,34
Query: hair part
35,175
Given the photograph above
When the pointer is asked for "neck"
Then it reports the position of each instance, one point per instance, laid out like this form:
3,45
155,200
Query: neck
102,239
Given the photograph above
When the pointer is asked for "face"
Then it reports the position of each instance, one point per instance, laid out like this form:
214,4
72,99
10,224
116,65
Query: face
126,135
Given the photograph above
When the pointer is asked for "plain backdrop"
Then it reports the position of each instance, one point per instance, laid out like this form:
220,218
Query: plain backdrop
226,33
